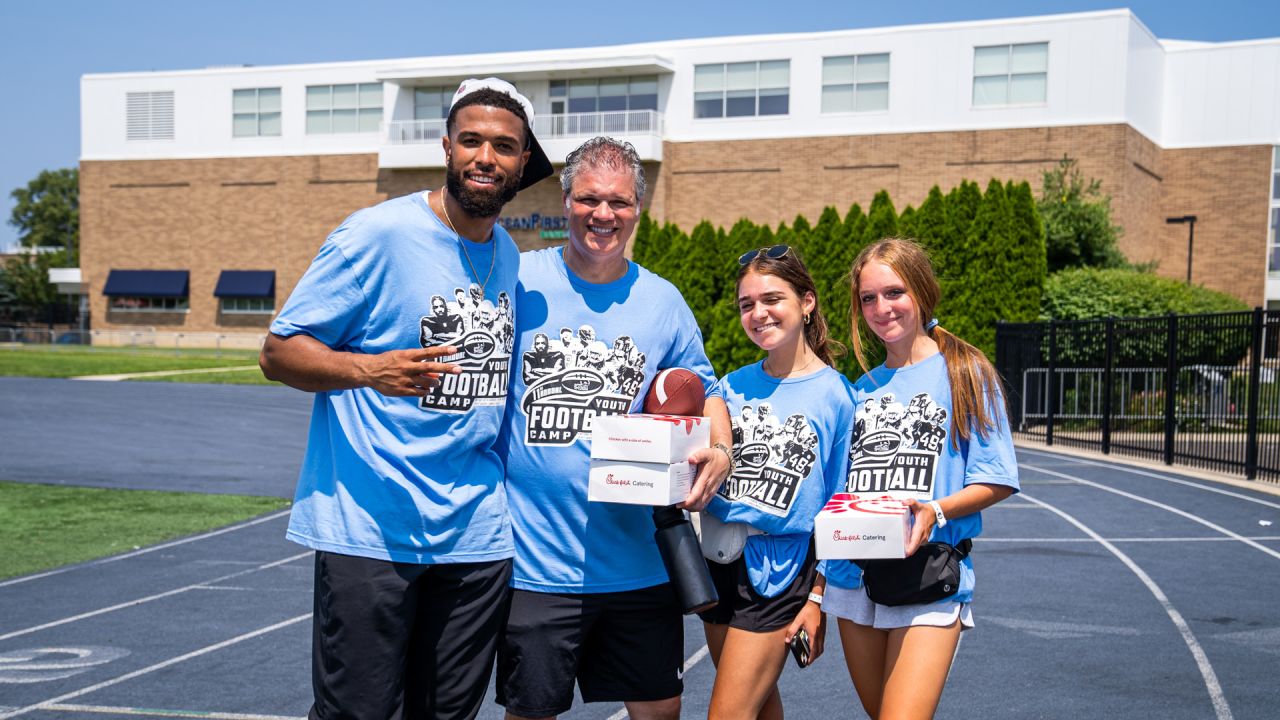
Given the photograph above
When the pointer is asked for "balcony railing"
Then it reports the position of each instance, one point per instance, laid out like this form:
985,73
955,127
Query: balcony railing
627,122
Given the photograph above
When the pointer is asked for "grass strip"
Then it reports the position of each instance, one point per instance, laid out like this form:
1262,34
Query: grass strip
71,362
47,526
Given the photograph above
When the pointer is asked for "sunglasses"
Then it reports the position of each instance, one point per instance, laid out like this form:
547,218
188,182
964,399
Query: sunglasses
773,253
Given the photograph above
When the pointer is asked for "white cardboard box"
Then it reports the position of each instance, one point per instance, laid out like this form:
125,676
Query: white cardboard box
637,483
862,527
648,438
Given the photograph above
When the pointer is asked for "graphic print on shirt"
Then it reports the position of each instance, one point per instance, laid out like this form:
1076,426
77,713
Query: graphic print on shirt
573,378
484,334
895,449
772,459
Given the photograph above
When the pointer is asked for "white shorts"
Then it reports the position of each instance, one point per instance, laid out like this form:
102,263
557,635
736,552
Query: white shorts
855,606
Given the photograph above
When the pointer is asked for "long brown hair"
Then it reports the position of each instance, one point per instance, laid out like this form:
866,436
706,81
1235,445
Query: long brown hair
791,269
975,386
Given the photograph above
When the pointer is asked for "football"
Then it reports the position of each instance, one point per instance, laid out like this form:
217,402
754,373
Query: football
675,391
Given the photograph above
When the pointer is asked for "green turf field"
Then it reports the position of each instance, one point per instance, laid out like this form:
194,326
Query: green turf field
46,526
71,362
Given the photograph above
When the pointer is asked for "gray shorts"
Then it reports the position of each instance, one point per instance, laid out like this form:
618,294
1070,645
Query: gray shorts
855,606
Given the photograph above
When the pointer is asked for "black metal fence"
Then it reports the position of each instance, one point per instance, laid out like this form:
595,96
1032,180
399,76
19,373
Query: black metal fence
1198,390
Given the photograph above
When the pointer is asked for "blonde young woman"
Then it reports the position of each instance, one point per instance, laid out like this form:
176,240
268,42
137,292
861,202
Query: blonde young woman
936,399
793,416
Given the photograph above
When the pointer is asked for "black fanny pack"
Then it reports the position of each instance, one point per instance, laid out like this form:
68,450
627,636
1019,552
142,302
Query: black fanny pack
931,574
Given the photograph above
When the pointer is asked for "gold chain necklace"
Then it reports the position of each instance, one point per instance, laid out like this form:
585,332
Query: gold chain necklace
493,257
800,369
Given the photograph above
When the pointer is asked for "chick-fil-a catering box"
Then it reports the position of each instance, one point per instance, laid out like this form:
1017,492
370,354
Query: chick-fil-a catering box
648,438
642,459
862,527
639,483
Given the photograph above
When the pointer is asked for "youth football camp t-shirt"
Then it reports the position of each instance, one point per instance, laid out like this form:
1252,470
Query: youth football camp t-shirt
790,446
902,447
407,479
585,349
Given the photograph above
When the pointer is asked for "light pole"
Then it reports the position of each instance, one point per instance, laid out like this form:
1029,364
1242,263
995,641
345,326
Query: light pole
1191,238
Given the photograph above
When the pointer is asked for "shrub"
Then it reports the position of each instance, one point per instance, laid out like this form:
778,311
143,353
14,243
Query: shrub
1085,293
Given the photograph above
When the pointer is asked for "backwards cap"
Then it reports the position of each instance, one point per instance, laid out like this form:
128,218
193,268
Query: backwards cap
538,167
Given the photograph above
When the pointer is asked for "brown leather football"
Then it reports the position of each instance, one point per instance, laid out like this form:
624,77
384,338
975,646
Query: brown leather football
675,391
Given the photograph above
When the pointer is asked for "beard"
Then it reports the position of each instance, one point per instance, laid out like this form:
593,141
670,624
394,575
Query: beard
480,203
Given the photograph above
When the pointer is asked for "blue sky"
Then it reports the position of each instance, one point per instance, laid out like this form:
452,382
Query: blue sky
46,46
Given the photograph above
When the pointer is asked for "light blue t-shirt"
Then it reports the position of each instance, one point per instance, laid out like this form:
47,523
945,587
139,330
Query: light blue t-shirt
902,447
407,479
790,448
585,349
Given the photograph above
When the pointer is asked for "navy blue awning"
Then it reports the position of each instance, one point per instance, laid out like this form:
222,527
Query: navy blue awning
246,283
147,283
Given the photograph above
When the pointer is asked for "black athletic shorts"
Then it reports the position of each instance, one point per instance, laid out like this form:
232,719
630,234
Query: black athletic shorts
404,641
620,647
744,608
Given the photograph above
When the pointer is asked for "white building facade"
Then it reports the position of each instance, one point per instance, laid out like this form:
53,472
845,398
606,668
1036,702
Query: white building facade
728,127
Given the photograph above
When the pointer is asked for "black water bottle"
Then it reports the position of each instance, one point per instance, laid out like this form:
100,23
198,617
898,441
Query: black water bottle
682,555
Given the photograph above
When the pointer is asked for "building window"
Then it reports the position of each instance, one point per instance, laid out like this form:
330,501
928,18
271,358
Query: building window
344,108
127,303
855,83
1273,229
431,103
741,89
248,305
255,112
1010,74
149,115
604,94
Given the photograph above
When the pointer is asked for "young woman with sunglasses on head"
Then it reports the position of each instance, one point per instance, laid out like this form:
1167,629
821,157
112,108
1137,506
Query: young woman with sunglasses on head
936,402
793,417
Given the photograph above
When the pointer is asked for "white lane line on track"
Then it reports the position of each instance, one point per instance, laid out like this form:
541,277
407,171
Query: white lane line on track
157,666
145,550
692,660
156,712
1220,707
1162,506
138,601
1024,540
1158,476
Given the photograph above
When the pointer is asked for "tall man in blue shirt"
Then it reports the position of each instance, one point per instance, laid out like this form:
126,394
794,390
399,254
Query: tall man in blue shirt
401,491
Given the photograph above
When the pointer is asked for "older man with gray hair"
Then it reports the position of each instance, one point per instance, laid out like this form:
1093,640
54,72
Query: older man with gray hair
600,610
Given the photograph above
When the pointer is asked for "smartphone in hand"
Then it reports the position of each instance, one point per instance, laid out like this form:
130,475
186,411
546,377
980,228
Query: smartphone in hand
800,648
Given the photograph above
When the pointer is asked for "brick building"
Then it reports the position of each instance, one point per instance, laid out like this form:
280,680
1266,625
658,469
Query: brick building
205,193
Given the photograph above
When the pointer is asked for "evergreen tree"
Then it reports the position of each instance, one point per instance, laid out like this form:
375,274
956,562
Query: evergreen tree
987,249
907,222
932,230
962,207
642,247
978,300
666,262
1028,257
882,221
697,269
1077,220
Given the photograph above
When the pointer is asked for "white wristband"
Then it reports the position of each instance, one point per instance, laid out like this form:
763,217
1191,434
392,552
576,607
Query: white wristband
937,513
815,598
